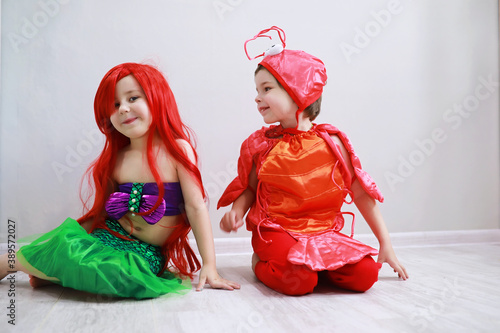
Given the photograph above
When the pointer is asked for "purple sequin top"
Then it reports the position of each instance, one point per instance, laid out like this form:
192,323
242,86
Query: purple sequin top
141,197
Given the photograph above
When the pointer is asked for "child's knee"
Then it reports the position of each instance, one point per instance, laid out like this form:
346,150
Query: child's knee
287,279
356,277
365,281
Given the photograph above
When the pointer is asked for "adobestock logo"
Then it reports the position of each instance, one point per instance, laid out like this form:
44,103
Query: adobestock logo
217,181
449,293
257,319
222,7
74,156
31,25
372,29
454,118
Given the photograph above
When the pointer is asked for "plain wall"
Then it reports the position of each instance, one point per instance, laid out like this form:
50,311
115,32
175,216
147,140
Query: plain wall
414,84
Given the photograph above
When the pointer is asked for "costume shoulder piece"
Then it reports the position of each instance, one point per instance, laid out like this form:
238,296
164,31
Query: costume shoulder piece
255,145
325,130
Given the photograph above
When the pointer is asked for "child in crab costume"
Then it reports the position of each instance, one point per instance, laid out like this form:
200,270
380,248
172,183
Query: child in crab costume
294,178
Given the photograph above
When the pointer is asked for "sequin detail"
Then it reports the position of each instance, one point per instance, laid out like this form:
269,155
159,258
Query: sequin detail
150,253
135,197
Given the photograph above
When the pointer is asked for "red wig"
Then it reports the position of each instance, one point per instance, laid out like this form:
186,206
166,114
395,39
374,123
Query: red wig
168,126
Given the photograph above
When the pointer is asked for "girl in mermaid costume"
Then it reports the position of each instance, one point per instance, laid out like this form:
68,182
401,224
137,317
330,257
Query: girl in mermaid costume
293,179
148,194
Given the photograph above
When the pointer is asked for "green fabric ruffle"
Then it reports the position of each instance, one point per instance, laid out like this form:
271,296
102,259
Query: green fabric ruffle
100,263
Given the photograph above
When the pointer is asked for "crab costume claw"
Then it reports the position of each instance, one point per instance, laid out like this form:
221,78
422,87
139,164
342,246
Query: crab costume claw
273,50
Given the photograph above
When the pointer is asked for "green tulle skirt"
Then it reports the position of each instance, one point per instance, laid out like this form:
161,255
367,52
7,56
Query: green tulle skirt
99,263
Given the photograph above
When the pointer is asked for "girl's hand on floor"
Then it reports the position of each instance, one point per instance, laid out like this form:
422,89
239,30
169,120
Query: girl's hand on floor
209,275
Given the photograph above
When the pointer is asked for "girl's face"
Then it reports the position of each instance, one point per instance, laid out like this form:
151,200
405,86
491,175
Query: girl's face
273,102
131,117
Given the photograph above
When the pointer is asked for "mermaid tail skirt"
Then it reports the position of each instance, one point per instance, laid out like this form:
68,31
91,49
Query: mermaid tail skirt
100,262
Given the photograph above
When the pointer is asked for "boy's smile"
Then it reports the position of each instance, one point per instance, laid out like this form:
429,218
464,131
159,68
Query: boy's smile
273,102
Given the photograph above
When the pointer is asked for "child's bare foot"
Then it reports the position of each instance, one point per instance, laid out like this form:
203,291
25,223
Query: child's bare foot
36,282
255,260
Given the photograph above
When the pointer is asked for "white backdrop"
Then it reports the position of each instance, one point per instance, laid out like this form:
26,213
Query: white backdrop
414,84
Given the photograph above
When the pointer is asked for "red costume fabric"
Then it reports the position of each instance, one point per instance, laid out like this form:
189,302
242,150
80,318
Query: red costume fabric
276,272
303,182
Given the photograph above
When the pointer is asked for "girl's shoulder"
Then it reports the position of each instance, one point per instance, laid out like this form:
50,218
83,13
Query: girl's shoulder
185,146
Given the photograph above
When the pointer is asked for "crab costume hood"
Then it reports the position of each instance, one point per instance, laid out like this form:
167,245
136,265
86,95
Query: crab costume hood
302,75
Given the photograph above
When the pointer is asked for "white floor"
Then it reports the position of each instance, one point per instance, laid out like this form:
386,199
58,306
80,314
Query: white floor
452,288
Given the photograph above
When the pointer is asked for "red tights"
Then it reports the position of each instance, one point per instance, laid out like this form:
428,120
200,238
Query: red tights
276,272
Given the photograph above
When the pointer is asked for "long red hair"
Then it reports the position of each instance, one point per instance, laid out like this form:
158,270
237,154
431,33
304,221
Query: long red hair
167,125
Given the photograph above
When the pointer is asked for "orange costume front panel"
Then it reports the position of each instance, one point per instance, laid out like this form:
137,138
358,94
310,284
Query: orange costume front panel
296,186
302,184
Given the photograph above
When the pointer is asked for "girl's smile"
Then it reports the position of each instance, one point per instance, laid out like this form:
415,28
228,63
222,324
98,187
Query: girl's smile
132,116
129,120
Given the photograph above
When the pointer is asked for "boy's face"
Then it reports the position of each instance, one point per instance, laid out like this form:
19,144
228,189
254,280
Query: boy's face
273,102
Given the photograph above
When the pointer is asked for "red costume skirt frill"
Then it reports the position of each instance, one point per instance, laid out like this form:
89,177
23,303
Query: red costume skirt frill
327,250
